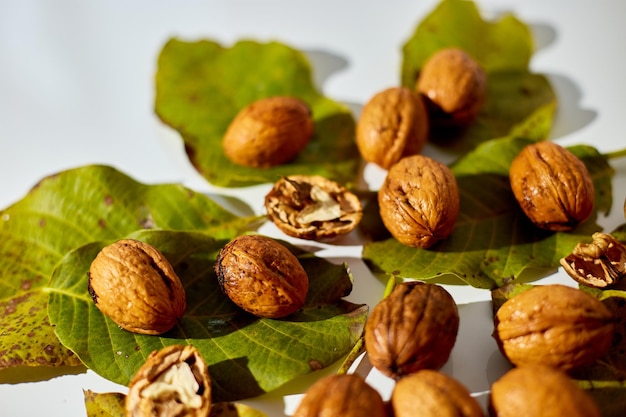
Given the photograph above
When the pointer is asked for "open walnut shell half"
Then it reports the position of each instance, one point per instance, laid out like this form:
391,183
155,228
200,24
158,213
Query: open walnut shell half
599,264
312,207
174,381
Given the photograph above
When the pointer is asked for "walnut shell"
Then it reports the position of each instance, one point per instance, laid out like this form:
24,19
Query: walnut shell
268,132
312,207
346,395
553,325
174,381
419,201
134,284
392,124
262,276
434,394
454,86
539,391
413,328
552,186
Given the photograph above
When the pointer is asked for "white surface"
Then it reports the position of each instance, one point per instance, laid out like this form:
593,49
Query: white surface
76,87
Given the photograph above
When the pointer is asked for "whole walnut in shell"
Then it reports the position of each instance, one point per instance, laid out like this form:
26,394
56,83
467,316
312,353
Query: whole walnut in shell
413,328
552,186
419,201
312,207
553,325
454,86
434,394
262,276
393,124
539,391
174,381
268,132
346,395
132,283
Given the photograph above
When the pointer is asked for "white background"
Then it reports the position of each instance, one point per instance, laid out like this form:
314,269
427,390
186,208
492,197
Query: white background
76,87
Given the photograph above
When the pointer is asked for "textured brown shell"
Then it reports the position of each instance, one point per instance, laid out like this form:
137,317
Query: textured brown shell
290,196
157,363
454,85
268,132
553,325
393,124
413,328
345,395
552,186
134,284
262,276
434,394
419,201
539,391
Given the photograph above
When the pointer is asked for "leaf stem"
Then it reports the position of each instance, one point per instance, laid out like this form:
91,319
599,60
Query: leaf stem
616,154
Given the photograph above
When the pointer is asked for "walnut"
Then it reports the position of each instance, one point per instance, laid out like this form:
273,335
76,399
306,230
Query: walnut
173,382
312,207
553,325
262,276
434,394
134,284
346,395
392,124
599,264
552,186
537,390
270,131
413,328
454,86
419,201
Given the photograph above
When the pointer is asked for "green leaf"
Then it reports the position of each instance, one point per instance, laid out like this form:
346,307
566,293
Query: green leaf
201,86
66,211
518,102
246,355
493,242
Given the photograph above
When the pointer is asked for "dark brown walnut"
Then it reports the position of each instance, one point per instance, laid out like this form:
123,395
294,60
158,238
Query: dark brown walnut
312,207
553,325
132,283
454,86
262,276
434,394
270,131
419,201
552,186
346,395
599,264
413,328
539,391
392,124
173,382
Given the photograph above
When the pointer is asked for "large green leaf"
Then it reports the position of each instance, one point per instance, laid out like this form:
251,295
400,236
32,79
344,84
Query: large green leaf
246,355
517,100
68,210
201,85
493,242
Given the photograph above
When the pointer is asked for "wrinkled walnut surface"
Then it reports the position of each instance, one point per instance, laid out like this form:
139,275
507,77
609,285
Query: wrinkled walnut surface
419,201
312,207
345,395
413,328
262,276
173,382
539,391
553,325
268,132
434,394
393,124
552,186
134,284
